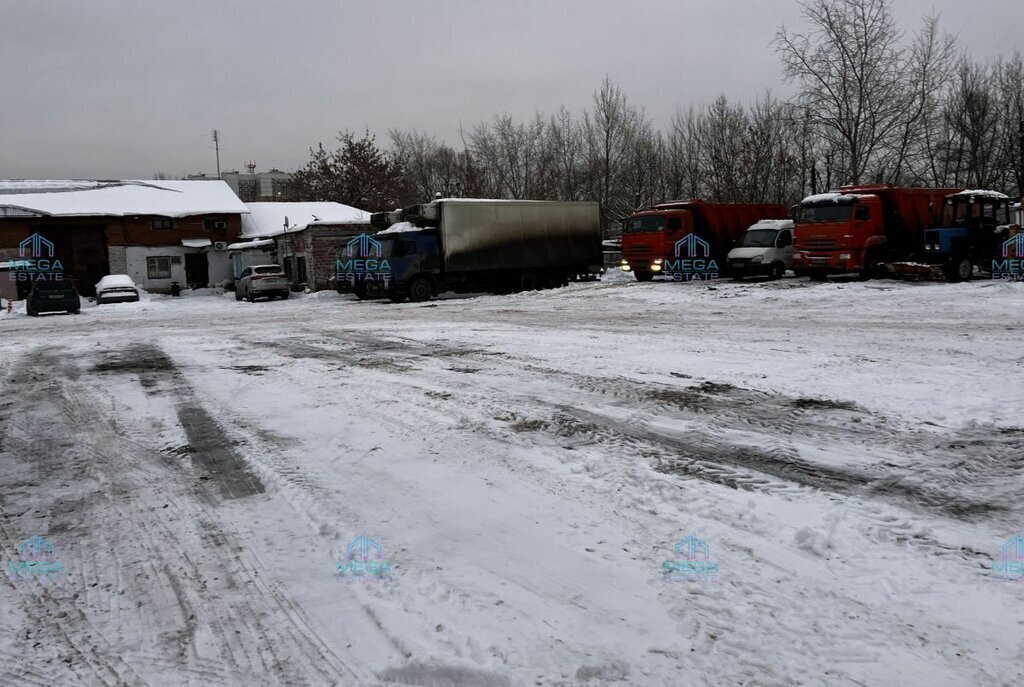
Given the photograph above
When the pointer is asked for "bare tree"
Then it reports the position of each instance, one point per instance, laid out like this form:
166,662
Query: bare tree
849,68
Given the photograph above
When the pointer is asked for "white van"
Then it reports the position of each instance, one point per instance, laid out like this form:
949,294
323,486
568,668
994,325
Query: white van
766,249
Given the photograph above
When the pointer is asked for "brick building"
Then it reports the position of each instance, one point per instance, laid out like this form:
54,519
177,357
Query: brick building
157,232
306,239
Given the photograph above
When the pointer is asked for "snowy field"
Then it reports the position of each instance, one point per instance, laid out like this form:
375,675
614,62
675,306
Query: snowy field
851,455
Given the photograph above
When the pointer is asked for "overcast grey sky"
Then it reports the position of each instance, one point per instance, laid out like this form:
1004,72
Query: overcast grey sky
121,89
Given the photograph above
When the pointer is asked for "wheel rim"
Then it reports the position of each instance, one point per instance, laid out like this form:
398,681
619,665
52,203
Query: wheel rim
420,291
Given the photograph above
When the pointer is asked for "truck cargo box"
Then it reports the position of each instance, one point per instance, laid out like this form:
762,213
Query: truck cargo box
518,234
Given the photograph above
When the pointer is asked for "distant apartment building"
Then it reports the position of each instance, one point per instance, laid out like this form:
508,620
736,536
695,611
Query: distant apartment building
252,186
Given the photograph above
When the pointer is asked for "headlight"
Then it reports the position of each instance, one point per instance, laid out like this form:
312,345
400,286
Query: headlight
845,256
625,262
798,256
656,267
757,258
658,261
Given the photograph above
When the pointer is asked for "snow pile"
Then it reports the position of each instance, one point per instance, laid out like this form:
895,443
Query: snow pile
120,198
116,281
980,193
828,198
400,228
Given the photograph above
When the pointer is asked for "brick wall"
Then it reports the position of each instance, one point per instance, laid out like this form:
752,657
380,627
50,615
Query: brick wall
327,242
118,259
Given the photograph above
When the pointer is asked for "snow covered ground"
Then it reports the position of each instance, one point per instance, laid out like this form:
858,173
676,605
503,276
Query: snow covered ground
850,455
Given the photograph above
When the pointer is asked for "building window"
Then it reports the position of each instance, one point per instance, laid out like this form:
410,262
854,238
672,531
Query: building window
163,223
158,268
215,225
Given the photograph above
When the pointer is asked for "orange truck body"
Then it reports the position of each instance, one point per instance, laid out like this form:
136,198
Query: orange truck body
688,240
859,228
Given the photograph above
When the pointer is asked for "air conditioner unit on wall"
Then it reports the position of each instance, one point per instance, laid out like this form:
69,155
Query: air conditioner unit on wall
220,245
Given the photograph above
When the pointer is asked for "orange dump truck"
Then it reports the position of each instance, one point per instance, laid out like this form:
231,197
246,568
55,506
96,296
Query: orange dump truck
688,240
858,229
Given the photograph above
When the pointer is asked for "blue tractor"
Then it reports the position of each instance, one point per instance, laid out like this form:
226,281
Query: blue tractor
971,234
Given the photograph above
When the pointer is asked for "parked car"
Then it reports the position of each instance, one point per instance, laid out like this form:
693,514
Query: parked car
116,288
52,295
261,280
766,249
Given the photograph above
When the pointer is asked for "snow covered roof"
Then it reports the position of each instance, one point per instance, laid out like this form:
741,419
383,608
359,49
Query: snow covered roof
86,198
267,219
773,224
258,243
828,198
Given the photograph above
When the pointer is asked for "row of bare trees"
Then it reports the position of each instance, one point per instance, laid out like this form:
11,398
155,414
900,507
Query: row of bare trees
871,105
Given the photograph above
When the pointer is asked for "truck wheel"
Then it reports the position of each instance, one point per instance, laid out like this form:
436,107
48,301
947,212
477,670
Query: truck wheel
959,270
777,270
554,280
360,291
420,290
872,269
643,276
528,281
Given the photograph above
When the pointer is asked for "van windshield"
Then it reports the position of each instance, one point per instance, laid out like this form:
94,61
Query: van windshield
636,225
758,238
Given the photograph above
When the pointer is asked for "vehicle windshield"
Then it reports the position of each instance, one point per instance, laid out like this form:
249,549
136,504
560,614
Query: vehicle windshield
810,214
758,238
269,269
961,211
636,225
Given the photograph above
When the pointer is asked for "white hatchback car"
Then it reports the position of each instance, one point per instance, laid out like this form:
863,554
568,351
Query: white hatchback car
116,288
261,280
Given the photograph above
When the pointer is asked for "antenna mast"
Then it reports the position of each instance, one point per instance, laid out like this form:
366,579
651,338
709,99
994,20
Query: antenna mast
216,146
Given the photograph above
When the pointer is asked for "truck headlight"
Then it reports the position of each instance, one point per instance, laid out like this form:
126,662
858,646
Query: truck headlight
845,256
658,261
656,267
798,256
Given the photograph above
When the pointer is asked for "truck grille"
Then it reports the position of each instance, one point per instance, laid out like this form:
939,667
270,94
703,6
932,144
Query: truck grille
820,244
639,250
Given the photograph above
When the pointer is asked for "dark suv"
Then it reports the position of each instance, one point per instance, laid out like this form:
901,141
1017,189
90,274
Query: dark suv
52,295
